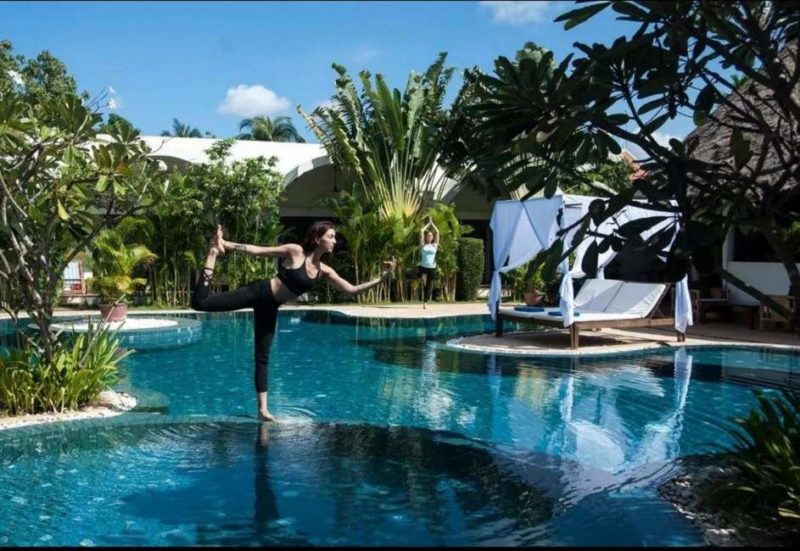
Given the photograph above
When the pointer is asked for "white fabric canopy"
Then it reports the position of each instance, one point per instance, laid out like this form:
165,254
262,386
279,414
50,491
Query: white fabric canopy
521,229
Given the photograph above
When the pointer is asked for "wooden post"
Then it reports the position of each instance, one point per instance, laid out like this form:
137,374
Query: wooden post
574,336
681,337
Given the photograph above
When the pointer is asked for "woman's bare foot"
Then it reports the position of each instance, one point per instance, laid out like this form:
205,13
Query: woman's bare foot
264,415
217,242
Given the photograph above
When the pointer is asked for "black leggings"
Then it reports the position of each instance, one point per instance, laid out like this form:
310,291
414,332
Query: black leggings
258,296
429,273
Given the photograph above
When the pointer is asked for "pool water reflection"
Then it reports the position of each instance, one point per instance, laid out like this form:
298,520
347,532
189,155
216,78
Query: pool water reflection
387,438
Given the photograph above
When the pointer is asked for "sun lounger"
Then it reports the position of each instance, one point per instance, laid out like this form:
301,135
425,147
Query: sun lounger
600,303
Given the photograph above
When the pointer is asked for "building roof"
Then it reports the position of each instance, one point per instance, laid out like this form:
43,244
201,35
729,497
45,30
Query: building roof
293,159
713,138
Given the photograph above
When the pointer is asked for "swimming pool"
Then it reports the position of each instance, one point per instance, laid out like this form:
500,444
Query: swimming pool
388,438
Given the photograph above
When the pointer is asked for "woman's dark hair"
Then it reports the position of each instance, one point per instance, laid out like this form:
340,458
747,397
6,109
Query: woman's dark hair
317,229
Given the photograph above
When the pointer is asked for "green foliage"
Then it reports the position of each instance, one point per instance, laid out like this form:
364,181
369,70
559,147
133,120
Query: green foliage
386,142
45,78
278,129
470,267
528,278
61,187
116,123
537,120
244,196
451,233
76,374
113,264
368,241
791,236
766,459
613,174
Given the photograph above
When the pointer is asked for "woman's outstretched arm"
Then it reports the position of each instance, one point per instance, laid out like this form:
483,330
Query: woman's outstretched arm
341,284
279,251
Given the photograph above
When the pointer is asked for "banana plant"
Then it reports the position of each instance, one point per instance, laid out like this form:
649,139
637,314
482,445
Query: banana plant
387,142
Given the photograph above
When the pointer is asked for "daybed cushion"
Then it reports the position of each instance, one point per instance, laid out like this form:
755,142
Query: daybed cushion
525,308
554,314
620,300
636,298
596,294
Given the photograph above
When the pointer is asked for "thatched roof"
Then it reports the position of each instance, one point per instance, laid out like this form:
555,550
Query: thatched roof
714,139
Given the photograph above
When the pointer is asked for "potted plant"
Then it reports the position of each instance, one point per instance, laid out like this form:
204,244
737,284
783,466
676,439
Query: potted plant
534,283
113,263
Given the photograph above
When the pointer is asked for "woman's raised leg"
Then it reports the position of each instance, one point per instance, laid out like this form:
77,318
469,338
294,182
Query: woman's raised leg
243,297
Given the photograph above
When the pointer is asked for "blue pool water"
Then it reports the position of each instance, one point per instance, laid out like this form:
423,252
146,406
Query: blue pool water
387,437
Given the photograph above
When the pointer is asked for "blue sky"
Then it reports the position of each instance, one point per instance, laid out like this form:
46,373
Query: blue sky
210,64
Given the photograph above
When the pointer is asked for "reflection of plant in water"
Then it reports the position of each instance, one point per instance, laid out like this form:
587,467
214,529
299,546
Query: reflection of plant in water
532,387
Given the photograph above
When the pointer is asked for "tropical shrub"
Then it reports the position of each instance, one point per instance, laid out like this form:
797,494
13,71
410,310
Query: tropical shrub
386,141
244,196
765,457
528,278
63,185
113,264
470,267
79,370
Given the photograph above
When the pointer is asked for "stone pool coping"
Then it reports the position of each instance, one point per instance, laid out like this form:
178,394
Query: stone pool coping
613,341
110,403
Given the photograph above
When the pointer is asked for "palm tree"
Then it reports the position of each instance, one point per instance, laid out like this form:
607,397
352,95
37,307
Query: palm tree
180,130
262,128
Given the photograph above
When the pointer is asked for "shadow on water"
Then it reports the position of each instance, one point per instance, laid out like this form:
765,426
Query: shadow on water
353,484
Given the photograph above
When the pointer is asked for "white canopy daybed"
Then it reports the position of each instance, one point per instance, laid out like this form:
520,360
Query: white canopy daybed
521,229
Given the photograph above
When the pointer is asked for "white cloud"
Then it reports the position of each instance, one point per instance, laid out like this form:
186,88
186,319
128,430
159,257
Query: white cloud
661,137
366,53
250,101
520,13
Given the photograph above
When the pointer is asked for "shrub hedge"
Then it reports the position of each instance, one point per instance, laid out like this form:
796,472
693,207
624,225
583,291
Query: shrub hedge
470,268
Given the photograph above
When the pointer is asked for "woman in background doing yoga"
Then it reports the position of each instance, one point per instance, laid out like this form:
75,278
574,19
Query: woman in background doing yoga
300,268
426,268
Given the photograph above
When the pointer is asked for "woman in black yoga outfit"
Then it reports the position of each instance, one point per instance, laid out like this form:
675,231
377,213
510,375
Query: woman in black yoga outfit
300,268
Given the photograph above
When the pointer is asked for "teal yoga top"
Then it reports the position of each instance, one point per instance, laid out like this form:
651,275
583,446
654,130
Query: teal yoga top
428,256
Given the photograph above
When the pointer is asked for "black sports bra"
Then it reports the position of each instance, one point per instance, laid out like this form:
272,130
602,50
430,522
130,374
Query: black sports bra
296,279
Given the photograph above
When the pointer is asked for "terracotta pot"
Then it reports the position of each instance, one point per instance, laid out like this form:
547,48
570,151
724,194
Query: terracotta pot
118,312
533,299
